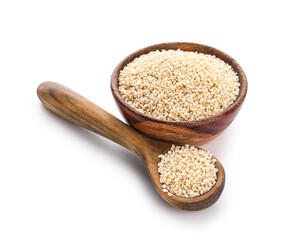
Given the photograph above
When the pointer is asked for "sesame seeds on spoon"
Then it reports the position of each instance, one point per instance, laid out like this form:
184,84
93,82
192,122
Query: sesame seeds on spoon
187,171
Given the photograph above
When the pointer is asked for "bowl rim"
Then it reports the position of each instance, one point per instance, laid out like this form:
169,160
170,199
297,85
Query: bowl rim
176,45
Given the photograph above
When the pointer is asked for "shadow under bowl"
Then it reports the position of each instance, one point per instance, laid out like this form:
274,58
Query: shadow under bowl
181,132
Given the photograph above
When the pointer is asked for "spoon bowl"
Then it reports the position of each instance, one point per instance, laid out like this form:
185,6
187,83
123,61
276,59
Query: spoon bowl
182,132
75,108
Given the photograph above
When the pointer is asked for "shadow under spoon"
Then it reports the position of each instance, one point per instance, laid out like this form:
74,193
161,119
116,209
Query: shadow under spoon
77,109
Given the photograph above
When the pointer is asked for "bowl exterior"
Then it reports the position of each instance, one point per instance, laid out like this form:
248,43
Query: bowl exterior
181,133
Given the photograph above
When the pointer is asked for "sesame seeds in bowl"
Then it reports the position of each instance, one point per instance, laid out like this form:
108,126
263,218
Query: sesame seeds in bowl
178,85
179,109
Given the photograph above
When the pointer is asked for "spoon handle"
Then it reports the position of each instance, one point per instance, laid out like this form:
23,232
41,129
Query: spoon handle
77,109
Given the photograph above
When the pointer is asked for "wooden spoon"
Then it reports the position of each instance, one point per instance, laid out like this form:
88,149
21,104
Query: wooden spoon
75,108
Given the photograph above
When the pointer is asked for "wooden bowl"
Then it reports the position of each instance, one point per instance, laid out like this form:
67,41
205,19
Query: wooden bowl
182,132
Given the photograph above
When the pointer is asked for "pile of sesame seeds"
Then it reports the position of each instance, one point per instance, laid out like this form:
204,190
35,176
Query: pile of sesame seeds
177,85
187,171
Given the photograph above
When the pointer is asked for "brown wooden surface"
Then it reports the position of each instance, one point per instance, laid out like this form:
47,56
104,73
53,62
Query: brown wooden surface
75,108
193,132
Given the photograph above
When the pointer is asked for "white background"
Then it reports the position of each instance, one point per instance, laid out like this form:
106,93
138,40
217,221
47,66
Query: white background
59,181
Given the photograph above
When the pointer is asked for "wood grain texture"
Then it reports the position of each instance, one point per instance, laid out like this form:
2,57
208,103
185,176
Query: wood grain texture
192,132
75,108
